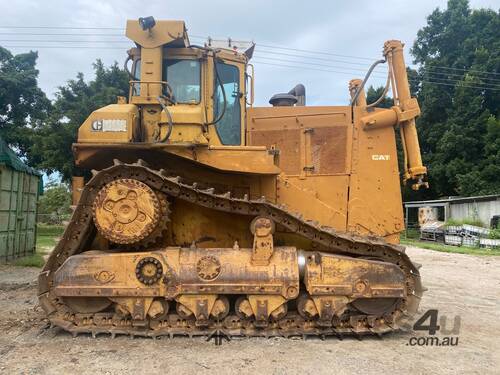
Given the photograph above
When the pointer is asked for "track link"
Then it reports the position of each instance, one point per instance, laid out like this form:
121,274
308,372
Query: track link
81,229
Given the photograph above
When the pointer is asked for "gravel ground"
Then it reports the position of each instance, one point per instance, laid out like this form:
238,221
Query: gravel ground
459,285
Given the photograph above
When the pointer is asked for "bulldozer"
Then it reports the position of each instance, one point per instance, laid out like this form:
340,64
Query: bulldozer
196,211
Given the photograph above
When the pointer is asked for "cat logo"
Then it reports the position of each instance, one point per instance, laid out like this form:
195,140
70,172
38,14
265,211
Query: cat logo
381,157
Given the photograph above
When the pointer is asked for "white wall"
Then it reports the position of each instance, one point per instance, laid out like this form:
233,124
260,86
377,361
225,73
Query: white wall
482,210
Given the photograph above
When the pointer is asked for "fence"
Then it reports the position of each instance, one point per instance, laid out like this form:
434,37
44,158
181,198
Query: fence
53,219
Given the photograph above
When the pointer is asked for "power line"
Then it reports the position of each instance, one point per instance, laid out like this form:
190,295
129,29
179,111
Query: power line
411,80
450,82
362,70
258,52
63,41
312,63
426,70
299,50
311,57
355,57
308,68
465,70
65,47
62,27
274,47
62,34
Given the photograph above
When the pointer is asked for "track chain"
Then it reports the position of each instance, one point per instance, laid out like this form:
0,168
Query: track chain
81,229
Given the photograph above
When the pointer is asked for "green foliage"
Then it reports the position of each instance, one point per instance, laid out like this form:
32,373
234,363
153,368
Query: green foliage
23,105
459,129
374,93
469,221
450,249
35,260
494,234
411,233
46,237
74,103
49,230
43,132
56,200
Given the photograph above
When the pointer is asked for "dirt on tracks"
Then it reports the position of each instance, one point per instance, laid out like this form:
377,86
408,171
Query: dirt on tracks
459,285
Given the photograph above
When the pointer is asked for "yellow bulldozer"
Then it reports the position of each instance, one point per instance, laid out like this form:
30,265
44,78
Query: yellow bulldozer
198,211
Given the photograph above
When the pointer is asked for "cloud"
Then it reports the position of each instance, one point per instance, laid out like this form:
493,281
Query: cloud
356,28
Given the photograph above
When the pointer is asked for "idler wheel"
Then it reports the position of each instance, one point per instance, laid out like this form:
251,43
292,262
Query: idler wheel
375,306
126,211
87,305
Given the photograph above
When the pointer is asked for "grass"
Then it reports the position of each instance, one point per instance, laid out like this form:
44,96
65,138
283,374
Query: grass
49,230
411,233
35,260
469,221
449,249
46,239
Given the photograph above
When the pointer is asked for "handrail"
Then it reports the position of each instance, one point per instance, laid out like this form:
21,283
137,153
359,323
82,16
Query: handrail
170,93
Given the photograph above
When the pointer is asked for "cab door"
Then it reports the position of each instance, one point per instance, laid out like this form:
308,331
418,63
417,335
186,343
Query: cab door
229,102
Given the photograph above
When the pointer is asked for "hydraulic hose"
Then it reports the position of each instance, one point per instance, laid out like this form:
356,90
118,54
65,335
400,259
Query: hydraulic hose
386,89
361,87
170,122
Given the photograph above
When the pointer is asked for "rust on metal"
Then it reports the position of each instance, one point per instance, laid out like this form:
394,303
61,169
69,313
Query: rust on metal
260,221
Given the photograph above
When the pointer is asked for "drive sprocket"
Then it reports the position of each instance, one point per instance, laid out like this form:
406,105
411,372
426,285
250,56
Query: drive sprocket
126,211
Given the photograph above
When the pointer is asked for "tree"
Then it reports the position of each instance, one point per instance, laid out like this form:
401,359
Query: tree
74,103
23,105
374,94
54,203
458,88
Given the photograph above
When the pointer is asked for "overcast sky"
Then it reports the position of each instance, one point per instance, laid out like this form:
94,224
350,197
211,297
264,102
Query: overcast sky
352,28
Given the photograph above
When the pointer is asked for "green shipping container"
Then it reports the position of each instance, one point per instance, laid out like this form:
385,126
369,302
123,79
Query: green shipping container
20,186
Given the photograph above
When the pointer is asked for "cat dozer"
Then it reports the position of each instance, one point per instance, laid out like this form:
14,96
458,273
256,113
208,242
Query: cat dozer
196,211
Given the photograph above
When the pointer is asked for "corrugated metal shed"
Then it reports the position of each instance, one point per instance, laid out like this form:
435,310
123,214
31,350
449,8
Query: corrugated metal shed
482,207
20,186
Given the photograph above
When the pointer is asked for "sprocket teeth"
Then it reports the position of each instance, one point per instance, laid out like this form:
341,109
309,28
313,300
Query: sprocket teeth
175,180
123,188
125,326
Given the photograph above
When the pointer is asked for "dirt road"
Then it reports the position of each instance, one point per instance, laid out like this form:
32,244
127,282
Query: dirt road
459,285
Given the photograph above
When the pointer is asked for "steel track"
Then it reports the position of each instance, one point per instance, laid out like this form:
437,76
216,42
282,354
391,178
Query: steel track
81,229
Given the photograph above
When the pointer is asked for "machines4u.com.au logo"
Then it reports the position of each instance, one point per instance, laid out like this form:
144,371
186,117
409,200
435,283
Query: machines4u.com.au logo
440,331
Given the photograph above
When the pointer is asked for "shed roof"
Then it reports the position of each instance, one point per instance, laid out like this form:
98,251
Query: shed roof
453,200
9,158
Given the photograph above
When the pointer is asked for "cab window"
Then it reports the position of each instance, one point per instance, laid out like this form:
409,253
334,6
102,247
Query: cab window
184,77
229,126
136,72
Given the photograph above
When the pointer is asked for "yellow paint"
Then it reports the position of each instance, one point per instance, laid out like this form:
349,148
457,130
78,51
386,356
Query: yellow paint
336,165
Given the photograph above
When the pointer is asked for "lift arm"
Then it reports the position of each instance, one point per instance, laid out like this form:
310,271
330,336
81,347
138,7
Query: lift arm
408,109
403,113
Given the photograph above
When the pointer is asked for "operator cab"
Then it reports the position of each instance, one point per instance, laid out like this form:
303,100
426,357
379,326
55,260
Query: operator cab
186,94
